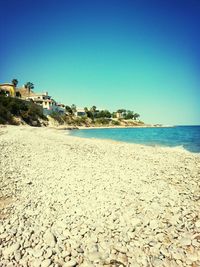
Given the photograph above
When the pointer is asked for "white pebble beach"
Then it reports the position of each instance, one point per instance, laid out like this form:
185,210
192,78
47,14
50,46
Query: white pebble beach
69,201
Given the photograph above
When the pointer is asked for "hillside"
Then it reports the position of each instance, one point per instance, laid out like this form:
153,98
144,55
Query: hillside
70,120
15,111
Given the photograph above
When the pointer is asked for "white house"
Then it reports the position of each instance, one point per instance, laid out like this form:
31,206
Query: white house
43,99
60,108
80,112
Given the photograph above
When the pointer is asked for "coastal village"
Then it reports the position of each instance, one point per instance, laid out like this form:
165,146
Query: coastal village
43,99
50,107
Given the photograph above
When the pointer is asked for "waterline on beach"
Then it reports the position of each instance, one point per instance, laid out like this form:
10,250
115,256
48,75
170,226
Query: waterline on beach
180,137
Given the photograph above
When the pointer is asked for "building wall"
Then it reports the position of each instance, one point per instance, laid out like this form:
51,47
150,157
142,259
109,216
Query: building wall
43,100
9,88
80,112
24,92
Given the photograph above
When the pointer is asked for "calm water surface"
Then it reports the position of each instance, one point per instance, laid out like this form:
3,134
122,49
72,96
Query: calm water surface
187,137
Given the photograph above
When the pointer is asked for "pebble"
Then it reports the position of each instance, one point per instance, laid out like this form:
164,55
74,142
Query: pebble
35,263
1,229
48,253
49,239
94,256
153,224
135,222
65,253
185,241
46,263
197,224
37,253
17,255
122,258
87,264
70,263
121,248
10,250
80,250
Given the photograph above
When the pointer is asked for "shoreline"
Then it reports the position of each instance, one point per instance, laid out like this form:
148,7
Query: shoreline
69,127
176,148
74,201
124,127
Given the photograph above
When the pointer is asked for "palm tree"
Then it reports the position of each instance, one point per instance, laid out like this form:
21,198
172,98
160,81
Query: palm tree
15,82
85,109
136,116
93,109
29,86
122,110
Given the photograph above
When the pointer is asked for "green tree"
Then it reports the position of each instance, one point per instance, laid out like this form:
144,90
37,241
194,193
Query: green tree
115,123
73,108
103,114
68,110
93,109
15,82
136,116
89,113
114,115
86,109
121,110
107,114
29,86
129,115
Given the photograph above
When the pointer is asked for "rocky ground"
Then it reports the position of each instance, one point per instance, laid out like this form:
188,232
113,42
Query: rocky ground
67,201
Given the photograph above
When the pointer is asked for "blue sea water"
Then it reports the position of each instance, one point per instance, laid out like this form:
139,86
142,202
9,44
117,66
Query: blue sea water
187,137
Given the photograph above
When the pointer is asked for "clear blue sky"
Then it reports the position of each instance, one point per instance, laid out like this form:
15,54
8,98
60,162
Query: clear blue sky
142,55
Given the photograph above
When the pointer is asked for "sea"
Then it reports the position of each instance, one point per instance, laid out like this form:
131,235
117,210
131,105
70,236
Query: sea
186,137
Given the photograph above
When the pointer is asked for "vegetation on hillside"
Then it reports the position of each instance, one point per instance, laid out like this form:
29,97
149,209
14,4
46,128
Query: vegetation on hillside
94,117
14,110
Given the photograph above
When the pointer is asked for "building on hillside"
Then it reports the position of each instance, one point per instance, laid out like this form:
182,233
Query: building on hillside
48,104
119,115
80,112
43,99
24,92
8,89
61,108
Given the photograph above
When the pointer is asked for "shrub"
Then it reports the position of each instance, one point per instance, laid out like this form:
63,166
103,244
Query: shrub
102,121
80,120
116,123
5,115
12,107
103,114
57,116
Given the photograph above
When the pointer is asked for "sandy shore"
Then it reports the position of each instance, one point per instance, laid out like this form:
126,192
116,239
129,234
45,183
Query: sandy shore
67,201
